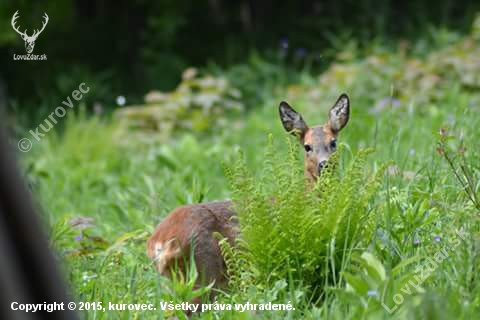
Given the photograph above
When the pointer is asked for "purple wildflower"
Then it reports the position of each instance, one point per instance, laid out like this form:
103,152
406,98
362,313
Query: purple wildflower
438,239
79,237
383,103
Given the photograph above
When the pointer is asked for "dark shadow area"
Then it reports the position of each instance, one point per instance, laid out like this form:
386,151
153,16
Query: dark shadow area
130,47
28,271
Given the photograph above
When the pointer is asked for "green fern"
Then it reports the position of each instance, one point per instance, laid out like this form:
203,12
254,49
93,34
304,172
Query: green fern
291,231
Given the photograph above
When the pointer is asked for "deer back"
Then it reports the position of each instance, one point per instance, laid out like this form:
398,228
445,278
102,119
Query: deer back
193,227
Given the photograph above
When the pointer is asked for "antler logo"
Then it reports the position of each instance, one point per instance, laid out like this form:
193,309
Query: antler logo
29,40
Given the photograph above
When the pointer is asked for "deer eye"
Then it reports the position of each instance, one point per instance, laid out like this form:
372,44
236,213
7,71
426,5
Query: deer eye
308,148
333,144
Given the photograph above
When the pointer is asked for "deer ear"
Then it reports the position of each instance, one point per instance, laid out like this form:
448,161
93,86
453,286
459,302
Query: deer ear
292,121
339,113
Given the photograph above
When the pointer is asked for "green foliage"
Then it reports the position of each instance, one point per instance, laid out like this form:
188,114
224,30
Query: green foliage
258,77
291,232
182,287
368,285
406,78
164,37
198,104
462,167
102,191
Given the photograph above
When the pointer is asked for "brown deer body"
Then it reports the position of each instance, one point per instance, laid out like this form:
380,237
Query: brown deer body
172,241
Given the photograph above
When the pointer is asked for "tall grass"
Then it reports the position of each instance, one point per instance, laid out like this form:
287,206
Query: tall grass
329,251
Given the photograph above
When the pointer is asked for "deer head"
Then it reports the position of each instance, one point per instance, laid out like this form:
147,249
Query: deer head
320,142
29,40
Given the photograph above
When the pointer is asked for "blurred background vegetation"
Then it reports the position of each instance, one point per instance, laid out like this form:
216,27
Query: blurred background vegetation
127,48
176,88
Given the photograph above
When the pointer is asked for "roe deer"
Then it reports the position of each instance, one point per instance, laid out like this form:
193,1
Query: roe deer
195,224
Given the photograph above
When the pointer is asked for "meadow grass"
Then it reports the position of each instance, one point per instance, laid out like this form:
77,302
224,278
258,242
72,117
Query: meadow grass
94,169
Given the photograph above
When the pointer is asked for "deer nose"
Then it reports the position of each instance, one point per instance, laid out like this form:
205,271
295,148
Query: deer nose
321,165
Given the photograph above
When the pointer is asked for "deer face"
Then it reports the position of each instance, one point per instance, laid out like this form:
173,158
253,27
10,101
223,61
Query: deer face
320,142
29,40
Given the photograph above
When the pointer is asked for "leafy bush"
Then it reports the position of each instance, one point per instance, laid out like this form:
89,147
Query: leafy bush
406,77
198,104
369,284
291,232
258,77
128,187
